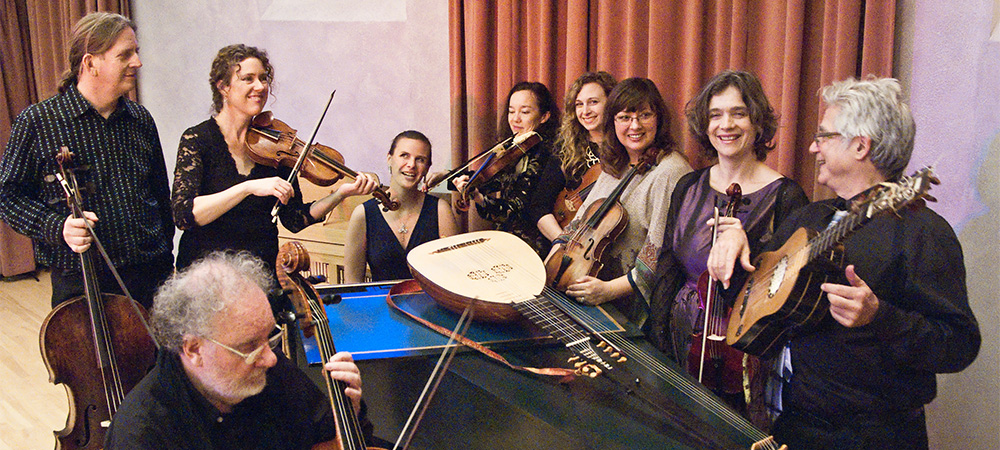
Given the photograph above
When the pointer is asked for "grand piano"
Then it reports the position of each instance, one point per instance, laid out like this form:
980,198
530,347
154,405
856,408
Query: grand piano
482,404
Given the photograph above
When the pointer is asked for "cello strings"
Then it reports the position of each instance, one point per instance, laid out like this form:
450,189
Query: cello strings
113,394
350,435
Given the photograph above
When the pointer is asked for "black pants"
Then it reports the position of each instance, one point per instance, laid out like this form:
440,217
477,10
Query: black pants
142,280
892,430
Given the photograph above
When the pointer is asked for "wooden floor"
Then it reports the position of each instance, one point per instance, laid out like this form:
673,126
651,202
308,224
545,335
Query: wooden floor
31,408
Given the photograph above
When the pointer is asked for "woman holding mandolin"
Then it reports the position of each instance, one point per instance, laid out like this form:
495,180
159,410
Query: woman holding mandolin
636,129
221,197
733,121
580,137
519,199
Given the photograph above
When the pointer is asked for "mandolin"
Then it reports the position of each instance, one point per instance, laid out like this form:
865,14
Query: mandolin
506,278
784,292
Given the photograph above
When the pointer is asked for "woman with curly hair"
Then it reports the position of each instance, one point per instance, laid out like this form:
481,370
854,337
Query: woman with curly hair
221,198
580,137
733,121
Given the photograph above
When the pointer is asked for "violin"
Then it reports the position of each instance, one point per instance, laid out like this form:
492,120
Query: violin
484,166
601,223
501,157
292,259
97,344
568,201
273,143
716,365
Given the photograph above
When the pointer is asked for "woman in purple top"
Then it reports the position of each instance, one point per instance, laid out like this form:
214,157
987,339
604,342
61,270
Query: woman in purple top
732,120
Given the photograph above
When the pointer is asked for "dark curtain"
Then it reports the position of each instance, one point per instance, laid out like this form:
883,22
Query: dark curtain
795,47
33,38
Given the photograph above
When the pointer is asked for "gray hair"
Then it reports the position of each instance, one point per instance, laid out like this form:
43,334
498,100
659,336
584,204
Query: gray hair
189,301
95,33
874,108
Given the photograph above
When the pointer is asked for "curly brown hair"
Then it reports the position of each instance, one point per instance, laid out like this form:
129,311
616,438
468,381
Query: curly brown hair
226,62
762,116
574,140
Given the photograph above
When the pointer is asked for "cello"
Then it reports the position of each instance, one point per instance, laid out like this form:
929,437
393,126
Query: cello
97,345
601,223
292,259
724,363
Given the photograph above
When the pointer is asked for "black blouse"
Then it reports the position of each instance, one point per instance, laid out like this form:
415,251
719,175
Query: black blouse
204,166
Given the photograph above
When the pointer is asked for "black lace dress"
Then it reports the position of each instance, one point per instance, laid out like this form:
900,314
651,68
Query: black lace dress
204,166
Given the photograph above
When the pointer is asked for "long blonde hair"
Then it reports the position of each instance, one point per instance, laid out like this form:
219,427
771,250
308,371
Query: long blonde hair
573,141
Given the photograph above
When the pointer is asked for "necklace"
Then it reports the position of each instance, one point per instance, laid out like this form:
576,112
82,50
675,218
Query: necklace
402,226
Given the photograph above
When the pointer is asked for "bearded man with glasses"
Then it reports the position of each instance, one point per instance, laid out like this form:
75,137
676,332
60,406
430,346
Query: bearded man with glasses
218,381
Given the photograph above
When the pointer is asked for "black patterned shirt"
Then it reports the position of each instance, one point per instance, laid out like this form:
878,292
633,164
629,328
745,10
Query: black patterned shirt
126,179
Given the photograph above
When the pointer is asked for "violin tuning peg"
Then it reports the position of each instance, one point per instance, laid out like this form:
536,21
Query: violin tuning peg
316,279
286,317
622,359
277,293
331,299
602,344
50,178
573,359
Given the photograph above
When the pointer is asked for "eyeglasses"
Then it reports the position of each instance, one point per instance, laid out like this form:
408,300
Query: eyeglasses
822,136
643,117
251,358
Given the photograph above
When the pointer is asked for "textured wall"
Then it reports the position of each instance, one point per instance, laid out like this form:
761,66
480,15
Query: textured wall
955,97
387,59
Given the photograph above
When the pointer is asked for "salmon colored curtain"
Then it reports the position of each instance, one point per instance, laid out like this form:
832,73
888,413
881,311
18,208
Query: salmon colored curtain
795,47
34,35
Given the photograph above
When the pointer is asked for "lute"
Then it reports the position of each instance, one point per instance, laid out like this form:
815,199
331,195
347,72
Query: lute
507,279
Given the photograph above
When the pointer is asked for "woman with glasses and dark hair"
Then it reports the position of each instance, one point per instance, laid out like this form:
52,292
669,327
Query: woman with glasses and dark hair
733,121
636,126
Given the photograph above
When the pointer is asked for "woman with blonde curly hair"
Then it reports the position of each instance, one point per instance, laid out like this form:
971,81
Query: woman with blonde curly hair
580,135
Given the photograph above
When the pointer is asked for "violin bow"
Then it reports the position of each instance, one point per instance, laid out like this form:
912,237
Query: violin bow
435,379
302,156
